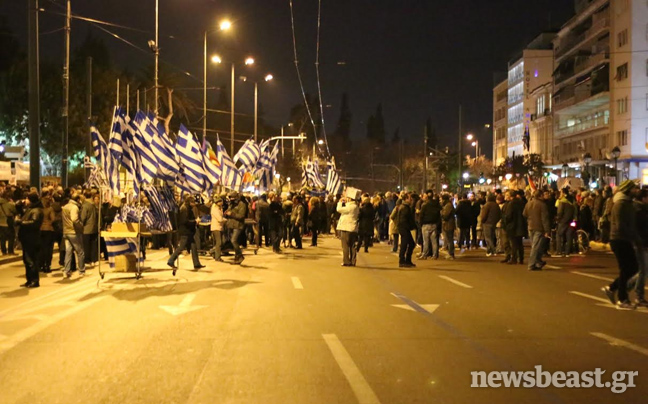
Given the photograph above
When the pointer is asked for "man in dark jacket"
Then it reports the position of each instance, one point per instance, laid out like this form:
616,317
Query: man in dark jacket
515,230
90,223
624,237
475,211
639,280
235,215
275,222
261,217
186,232
406,224
490,215
537,216
365,224
29,236
565,216
430,225
464,221
449,224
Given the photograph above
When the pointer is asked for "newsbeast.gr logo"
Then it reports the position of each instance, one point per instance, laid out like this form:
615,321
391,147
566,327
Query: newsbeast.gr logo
621,380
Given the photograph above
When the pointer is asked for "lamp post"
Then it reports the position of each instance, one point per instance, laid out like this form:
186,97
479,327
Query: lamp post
615,153
249,61
268,77
587,159
223,26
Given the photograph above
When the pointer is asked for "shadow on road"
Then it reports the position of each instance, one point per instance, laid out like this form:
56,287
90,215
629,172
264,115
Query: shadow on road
150,289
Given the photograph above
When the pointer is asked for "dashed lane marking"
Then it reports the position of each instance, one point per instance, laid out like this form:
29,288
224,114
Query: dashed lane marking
297,283
456,282
602,278
585,295
359,385
619,342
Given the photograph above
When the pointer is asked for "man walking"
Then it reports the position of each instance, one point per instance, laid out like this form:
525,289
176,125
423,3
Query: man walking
430,226
235,214
490,216
537,215
186,232
449,224
514,220
29,236
406,223
73,234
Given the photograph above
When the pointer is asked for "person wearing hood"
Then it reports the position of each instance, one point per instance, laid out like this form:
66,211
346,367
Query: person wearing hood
624,237
348,228
567,213
29,235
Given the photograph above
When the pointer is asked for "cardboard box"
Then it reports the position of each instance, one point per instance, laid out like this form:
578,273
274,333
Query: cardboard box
125,263
129,227
352,193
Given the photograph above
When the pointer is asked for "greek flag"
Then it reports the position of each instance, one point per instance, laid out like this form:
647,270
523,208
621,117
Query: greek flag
304,177
248,155
122,147
106,160
312,174
211,166
230,176
333,183
188,152
116,134
120,246
167,168
143,139
266,165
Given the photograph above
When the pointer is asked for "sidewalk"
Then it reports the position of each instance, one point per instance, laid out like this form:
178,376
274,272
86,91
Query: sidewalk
10,258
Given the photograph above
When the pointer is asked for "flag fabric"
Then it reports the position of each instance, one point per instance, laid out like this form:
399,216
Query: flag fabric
119,246
142,140
105,158
159,217
248,155
316,174
304,181
312,176
167,168
230,176
266,165
333,183
189,155
122,147
211,166
115,138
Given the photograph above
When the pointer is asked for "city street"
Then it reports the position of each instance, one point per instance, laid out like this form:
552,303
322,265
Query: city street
300,328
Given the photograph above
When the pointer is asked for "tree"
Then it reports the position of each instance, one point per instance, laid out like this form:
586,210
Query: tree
520,164
340,142
379,128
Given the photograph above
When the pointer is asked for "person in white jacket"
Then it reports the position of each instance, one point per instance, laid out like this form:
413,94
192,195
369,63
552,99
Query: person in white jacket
348,228
217,221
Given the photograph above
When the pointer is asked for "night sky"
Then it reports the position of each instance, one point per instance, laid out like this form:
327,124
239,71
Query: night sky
419,58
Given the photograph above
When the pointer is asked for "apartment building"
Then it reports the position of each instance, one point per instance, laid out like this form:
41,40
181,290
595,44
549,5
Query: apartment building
500,125
541,127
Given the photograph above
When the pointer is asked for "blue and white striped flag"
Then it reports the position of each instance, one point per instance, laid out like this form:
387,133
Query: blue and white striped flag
115,137
230,176
248,155
333,183
211,166
190,157
105,158
142,140
167,168
120,246
312,174
304,183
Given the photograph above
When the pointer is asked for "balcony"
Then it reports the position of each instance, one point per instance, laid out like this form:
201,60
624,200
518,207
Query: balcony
600,122
591,62
600,25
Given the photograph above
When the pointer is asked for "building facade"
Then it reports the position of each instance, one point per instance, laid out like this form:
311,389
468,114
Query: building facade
500,125
601,86
541,128
531,69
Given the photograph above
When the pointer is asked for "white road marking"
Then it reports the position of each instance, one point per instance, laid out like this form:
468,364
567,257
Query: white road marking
28,332
359,385
552,267
456,282
297,283
619,342
430,308
184,306
602,278
598,299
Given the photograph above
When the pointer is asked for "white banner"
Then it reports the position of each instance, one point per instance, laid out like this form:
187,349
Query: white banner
5,170
22,171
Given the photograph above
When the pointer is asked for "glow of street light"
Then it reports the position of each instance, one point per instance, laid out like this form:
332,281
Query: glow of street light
508,177
249,61
268,77
320,142
469,136
225,25
474,144
444,186
277,175
216,59
288,179
465,175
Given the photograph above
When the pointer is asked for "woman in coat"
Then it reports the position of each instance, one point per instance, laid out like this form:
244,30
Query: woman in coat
348,228
366,223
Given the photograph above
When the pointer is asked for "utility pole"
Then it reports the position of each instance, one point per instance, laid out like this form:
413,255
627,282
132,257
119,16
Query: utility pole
89,105
157,53
400,163
127,98
34,95
66,98
232,116
204,86
460,158
256,109
426,137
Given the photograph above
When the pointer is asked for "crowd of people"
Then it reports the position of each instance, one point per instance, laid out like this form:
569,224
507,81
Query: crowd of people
557,224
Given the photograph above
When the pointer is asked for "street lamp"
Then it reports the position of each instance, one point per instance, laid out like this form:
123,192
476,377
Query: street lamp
465,176
248,62
565,168
223,26
320,142
267,78
615,153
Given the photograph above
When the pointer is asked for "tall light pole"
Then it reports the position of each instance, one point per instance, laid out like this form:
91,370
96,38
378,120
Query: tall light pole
615,153
587,159
223,26
475,144
249,61
34,95
157,55
268,77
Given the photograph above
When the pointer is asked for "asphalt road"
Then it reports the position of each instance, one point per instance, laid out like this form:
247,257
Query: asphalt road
299,328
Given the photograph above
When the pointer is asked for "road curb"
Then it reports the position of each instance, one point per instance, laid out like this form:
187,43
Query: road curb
10,260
